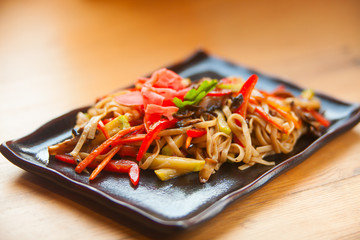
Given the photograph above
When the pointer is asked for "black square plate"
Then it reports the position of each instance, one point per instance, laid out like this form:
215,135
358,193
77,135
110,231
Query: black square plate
180,203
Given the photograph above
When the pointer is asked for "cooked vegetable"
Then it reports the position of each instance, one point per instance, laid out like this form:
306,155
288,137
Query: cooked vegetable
308,94
165,174
83,164
119,166
246,91
223,126
195,132
101,126
162,161
152,134
194,96
178,140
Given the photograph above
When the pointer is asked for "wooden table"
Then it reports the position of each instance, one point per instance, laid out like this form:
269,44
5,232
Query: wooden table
58,55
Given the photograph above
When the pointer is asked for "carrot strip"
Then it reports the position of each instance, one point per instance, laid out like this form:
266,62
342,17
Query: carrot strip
84,163
269,119
267,94
102,128
320,118
188,141
130,139
253,100
286,115
276,105
104,162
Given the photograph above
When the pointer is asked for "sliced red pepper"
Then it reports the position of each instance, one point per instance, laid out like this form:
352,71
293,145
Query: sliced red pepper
118,166
219,92
196,132
125,166
279,88
236,140
149,119
102,128
128,151
134,174
269,119
246,91
152,134
107,120
320,118
65,158
136,122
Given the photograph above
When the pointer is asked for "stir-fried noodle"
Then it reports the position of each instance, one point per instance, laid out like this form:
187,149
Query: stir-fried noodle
173,126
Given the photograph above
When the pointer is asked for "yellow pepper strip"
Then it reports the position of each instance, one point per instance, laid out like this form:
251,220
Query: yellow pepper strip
308,94
179,141
165,174
162,161
223,126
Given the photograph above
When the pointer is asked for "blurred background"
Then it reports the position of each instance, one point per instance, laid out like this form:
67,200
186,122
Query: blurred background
59,55
92,46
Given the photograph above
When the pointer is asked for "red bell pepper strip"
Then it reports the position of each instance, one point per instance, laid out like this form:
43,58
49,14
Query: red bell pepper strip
107,120
279,88
128,151
320,118
152,134
118,166
125,166
65,158
236,140
196,132
149,119
84,163
134,174
269,119
218,93
246,91
102,128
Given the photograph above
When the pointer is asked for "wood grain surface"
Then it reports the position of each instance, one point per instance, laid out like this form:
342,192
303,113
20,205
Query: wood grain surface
59,55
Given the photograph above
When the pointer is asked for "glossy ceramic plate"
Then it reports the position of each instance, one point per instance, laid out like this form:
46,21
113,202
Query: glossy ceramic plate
180,203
